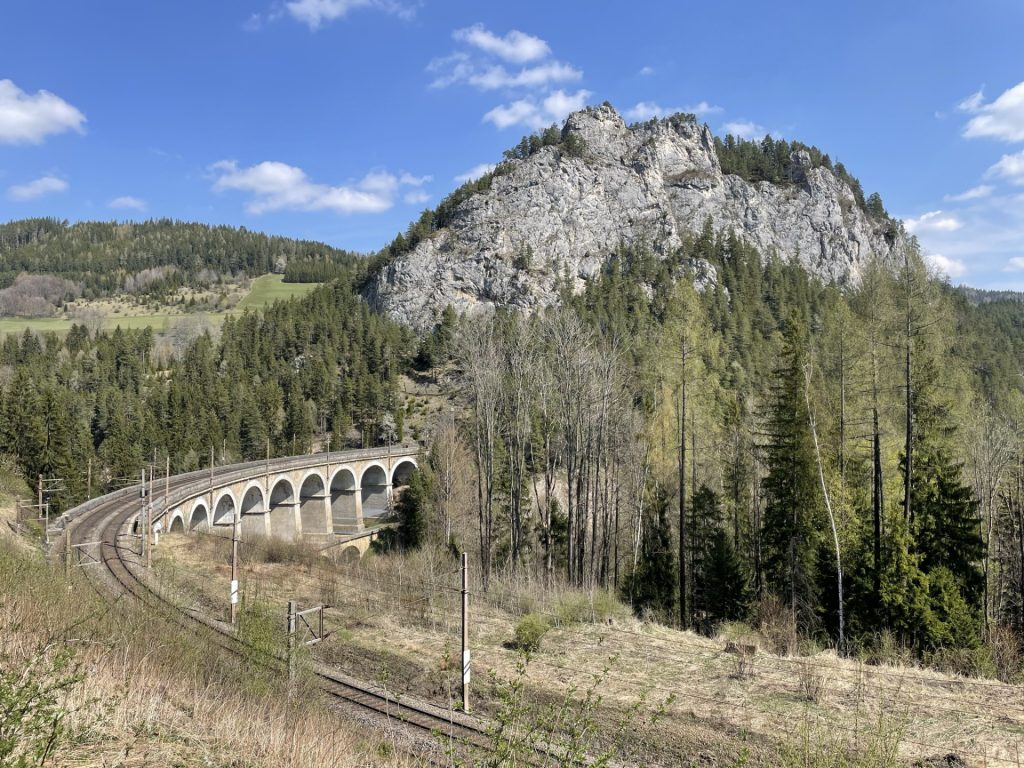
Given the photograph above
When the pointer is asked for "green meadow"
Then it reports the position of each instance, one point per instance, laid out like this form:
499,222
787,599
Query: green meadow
265,290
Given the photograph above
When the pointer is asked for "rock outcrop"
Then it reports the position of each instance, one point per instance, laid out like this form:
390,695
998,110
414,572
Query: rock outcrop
557,213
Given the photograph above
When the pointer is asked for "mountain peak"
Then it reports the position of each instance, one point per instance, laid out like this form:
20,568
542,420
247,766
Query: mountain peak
563,202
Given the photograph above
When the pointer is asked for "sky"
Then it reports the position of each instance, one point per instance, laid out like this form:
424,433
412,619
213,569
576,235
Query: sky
341,120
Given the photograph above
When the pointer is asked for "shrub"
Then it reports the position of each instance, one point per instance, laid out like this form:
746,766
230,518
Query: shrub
887,649
33,709
529,631
595,606
1004,646
969,662
777,625
813,682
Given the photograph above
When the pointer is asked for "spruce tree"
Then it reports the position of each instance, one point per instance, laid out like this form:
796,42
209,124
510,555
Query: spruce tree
725,586
792,519
652,586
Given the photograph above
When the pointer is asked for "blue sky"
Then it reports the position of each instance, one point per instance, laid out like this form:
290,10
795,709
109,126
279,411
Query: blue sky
339,120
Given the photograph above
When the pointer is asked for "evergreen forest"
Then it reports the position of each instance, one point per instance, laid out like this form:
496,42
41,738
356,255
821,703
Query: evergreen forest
154,258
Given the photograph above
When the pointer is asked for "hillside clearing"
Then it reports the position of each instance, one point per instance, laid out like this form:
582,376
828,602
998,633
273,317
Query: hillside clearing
264,290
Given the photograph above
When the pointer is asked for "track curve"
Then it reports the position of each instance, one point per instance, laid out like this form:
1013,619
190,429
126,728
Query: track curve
108,520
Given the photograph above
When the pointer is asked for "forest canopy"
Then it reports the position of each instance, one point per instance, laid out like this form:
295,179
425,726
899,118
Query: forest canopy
155,256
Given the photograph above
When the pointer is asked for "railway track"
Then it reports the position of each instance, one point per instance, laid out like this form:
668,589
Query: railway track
108,521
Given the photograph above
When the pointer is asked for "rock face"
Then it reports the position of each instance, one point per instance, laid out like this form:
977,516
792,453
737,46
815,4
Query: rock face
553,214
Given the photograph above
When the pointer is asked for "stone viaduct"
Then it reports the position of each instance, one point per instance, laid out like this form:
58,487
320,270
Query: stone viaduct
325,496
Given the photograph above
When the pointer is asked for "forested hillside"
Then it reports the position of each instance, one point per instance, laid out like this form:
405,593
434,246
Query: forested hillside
852,459
324,362
155,257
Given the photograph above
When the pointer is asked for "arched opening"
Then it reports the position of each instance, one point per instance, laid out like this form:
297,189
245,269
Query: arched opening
349,555
374,489
254,519
345,516
177,524
200,518
403,471
224,510
313,505
282,510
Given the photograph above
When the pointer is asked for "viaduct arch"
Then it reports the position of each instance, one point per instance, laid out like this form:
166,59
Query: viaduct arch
322,496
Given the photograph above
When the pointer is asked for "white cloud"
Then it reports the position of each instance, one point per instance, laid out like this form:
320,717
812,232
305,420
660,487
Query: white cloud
313,13
454,68
45,185
409,180
972,102
646,71
1016,264
416,197
949,267
645,110
988,241
974,193
933,221
1009,167
127,201
1001,119
276,186
516,47
28,119
745,129
475,172
558,104
535,103
554,108
529,77
521,111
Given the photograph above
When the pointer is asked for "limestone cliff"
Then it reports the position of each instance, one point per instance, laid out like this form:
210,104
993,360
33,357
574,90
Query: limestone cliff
557,212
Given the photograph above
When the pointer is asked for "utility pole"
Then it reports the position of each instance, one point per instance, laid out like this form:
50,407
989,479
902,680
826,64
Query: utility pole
88,480
149,519
292,611
266,481
39,494
67,549
235,526
167,494
142,518
211,479
465,632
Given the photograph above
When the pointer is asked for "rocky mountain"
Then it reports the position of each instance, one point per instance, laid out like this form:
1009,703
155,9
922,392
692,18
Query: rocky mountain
560,208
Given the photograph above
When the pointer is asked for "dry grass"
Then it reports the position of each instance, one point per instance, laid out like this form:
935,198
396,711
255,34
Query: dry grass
148,693
396,619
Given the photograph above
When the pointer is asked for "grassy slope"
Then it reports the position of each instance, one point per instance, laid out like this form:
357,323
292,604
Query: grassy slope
265,290
779,710
142,692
